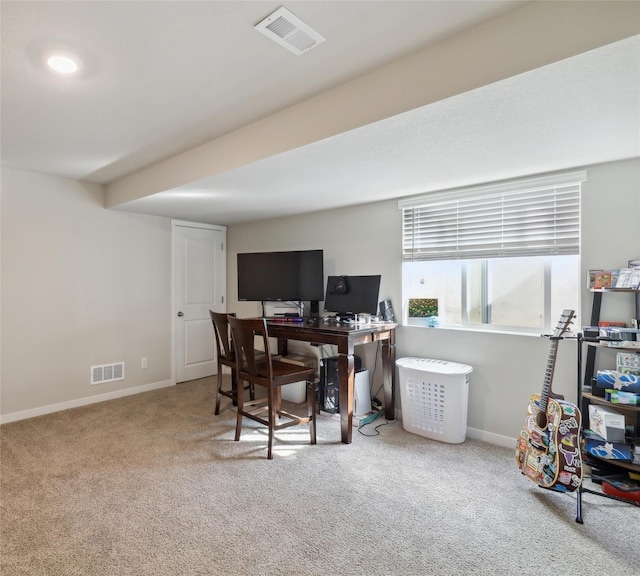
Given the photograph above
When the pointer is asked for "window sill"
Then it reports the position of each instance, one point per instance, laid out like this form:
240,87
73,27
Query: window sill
509,332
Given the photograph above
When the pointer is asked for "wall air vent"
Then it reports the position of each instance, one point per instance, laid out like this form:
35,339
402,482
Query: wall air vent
107,373
289,31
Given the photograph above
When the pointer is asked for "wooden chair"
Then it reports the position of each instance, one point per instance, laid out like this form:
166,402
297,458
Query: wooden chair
226,357
270,374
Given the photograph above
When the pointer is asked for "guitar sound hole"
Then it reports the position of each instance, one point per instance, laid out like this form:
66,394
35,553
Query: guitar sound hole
541,420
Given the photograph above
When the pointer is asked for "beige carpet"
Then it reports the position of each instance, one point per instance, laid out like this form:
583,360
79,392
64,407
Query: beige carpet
154,484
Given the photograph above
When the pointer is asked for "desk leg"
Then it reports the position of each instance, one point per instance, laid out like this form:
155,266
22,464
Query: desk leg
389,375
346,377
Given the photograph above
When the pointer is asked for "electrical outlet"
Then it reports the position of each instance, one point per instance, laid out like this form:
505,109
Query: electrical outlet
143,362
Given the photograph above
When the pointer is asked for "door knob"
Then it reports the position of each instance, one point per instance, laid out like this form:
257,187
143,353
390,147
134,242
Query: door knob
180,314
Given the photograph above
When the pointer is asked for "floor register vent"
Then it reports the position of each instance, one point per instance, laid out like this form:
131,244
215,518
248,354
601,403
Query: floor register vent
289,31
107,373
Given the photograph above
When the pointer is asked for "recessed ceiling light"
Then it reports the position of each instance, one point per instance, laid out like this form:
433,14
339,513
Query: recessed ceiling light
63,64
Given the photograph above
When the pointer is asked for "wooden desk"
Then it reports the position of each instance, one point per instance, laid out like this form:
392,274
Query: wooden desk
345,337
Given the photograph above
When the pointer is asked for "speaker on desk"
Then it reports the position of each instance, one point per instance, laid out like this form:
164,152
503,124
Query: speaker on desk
386,311
328,390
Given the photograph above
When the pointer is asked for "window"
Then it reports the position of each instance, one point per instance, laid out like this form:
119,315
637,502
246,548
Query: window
502,257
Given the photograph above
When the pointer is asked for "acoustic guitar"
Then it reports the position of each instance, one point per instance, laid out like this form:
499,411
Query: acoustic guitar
548,449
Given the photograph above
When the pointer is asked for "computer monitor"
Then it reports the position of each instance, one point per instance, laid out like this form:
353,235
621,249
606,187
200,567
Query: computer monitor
281,276
350,295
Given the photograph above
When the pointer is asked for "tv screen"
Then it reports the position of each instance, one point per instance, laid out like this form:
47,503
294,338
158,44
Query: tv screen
347,295
281,276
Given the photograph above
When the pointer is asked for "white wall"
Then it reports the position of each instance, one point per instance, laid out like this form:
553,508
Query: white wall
507,368
81,286
610,228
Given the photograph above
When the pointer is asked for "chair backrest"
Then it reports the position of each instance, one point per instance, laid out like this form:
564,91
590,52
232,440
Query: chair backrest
253,365
222,333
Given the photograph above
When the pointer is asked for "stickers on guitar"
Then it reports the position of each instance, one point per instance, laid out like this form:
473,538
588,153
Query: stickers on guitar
537,447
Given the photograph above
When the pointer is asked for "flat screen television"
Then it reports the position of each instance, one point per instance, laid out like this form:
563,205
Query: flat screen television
349,295
281,276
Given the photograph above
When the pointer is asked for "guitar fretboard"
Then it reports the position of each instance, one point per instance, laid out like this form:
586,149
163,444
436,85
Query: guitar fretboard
563,323
548,375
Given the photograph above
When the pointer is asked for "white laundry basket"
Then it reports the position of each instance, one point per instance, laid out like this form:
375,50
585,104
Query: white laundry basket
434,396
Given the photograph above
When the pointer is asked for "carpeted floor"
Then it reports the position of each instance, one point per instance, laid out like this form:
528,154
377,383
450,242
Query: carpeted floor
154,484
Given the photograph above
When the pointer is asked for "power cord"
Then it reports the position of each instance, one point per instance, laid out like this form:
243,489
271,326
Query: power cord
378,412
373,374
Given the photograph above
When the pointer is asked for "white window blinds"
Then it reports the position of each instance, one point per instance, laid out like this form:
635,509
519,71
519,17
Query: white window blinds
532,217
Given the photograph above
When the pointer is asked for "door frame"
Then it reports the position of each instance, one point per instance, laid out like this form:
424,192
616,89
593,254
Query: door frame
174,311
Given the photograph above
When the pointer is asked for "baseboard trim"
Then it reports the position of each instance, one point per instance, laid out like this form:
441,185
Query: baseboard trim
483,435
42,410
491,438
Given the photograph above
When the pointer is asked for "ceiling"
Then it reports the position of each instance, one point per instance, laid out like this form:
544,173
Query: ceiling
161,77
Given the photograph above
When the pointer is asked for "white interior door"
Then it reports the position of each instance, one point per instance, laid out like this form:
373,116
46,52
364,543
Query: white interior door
199,286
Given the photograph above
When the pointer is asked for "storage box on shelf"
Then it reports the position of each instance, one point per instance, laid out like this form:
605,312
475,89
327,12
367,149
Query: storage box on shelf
621,488
607,423
595,445
620,397
624,453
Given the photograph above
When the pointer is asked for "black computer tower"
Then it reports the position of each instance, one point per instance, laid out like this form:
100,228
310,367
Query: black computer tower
328,390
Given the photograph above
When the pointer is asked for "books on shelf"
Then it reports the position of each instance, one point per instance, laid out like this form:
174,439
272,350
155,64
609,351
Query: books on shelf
597,279
621,344
628,363
628,277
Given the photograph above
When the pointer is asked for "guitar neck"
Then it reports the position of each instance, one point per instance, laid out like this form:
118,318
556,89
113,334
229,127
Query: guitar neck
563,323
548,375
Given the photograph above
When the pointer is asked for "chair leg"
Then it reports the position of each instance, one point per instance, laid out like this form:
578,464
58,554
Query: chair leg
273,414
278,404
311,410
218,395
240,397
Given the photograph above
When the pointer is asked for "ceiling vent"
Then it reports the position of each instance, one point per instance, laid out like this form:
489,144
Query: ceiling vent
289,31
